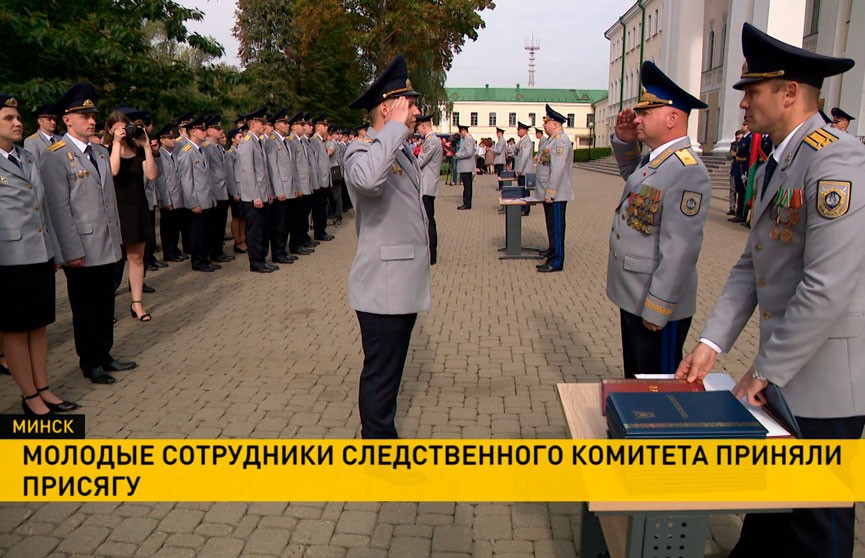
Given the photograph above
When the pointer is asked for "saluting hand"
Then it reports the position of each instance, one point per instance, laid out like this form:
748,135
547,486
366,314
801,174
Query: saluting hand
697,364
400,111
626,128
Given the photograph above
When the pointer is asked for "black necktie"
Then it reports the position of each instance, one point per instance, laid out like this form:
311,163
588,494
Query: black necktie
771,165
89,152
15,161
51,140
645,160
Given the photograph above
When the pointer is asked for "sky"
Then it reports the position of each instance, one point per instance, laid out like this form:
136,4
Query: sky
574,53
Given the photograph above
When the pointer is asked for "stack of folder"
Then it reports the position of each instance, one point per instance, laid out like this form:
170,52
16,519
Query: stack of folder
702,414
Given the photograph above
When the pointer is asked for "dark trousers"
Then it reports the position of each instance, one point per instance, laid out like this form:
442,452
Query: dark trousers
294,222
256,225
335,193
499,168
521,181
279,228
91,298
319,211
184,231
804,533
554,214
150,245
216,218
429,205
385,340
346,199
740,196
198,238
652,352
302,225
466,179
170,222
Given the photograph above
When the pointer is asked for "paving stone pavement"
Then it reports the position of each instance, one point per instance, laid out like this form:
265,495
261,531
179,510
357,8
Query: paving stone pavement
238,355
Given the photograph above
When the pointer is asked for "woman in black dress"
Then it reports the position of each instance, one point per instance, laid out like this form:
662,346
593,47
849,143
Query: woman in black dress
28,250
131,163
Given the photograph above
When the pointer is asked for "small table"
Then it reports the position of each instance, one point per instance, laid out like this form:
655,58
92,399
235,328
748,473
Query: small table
634,529
514,249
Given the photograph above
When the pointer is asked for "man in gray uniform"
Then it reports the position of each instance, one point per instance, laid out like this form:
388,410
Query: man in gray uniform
198,198
299,242
466,164
255,192
803,269
321,169
171,212
556,160
657,226
79,188
44,137
334,147
430,161
501,151
214,148
523,158
389,281
280,170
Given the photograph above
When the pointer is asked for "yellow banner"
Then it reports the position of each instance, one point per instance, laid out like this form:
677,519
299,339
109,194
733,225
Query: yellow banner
433,470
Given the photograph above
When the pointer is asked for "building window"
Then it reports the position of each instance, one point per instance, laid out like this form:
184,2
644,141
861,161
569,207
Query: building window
590,119
649,26
492,119
723,47
455,119
815,17
512,119
474,119
710,50
658,19
570,123
531,119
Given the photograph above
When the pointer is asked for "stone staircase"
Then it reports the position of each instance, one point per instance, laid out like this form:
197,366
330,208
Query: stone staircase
717,165
605,165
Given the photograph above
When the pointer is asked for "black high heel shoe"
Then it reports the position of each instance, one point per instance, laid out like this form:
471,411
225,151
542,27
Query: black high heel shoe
146,317
30,412
62,407
3,369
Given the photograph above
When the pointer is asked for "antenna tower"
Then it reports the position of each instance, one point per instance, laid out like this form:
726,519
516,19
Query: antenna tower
532,45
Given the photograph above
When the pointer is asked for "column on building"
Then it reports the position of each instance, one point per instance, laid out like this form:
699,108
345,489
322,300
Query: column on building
682,51
852,98
831,41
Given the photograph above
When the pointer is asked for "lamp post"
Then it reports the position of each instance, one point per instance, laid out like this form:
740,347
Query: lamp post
591,137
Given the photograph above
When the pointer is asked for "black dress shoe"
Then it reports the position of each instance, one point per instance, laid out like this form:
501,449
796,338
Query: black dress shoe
147,289
311,243
548,269
736,220
301,251
324,237
207,268
260,269
463,207
223,258
158,264
271,266
99,376
157,248
62,407
174,259
731,212
119,366
215,265
151,267
238,250
292,258
545,264
283,260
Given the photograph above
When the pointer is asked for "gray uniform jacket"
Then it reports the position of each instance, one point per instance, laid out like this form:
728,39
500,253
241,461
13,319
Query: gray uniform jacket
231,172
391,272
501,151
333,159
323,162
216,165
523,158
542,172
194,178
652,271
168,181
467,154
809,291
279,166
179,145
556,158
252,170
36,144
340,155
312,163
430,160
26,230
82,203
150,192
300,157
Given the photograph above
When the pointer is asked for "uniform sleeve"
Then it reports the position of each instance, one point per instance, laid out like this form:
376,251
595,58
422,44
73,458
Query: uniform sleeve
186,175
833,262
627,156
426,154
681,236
57,192
230,174
270,149
246,174
368,165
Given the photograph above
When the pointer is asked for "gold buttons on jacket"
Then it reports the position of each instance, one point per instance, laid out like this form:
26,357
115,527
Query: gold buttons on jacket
766,315
761,283
757,247
39,229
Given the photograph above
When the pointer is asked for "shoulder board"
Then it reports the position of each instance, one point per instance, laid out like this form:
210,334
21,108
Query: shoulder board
57,145
262,136
34,135
291,138
247,137
366,140
206,144
656,162
187,147
685,156
819,138
557,136
273,136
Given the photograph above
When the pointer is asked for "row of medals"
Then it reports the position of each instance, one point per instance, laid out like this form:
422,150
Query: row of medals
642,208
786,207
